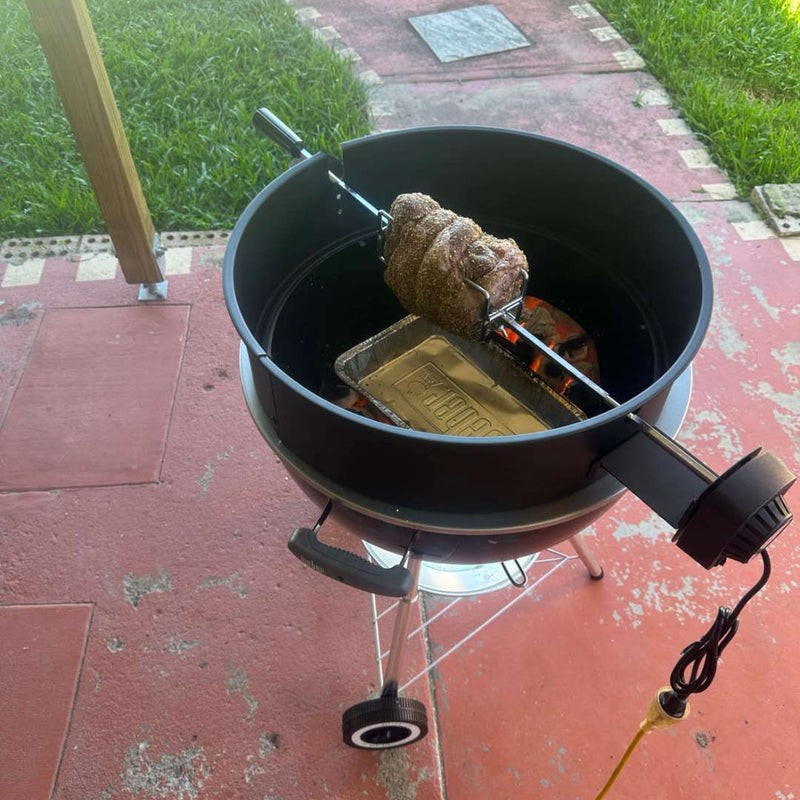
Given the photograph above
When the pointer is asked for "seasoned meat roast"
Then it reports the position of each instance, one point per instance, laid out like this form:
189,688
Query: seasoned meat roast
429,252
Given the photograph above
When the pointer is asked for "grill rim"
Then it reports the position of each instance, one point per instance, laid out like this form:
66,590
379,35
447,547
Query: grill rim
662,383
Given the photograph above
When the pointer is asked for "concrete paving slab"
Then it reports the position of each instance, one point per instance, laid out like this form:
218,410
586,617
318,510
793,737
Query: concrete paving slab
781,206
468,32
93,406
380,32
99,267
40,664
26,272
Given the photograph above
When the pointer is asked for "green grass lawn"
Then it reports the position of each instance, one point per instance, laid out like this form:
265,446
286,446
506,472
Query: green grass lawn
733,67
187,77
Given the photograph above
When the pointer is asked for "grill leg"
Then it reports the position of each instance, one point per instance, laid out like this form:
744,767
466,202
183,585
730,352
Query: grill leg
389,720
587,557
391,679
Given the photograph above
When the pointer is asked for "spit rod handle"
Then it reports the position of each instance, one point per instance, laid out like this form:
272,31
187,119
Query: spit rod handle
276,129
271,126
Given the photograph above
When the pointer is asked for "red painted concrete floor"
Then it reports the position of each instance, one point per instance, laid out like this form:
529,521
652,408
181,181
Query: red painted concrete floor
41,654
217,666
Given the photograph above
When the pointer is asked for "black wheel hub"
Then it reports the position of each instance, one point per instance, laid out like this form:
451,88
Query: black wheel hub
384,722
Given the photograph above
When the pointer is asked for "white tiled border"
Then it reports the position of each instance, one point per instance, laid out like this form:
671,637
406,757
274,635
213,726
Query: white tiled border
178,260
606,34
584,11
102,265
653,97
25,274
697,158
327,34
792,248
674,127
307,14
629,59
720,191
754,231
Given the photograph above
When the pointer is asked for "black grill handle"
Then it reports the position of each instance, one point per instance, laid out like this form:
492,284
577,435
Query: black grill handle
347,567
734,515
272,127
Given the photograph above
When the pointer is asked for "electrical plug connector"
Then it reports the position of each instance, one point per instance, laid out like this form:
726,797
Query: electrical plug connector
693,673
665,710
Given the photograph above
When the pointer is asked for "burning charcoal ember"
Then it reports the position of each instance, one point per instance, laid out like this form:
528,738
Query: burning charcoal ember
358,404
431,253
559,331
539,321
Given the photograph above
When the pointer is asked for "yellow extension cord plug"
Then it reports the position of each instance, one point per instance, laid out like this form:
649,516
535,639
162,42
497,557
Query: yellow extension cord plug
664,711
693,673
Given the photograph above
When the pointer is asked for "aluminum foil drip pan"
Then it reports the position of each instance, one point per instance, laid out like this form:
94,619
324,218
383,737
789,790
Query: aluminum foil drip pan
422,377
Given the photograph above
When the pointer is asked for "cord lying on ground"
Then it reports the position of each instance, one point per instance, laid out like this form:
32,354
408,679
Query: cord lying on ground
670,705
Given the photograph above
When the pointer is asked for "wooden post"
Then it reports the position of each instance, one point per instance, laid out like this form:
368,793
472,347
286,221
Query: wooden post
70,46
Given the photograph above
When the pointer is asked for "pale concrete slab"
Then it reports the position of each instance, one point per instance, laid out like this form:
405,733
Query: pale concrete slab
607,33
781,206
178,260
697,158
629,59
754,231
584,11
28,273
468,32
675,127
98,267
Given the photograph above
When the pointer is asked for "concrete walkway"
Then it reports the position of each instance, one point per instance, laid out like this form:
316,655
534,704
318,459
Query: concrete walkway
159,641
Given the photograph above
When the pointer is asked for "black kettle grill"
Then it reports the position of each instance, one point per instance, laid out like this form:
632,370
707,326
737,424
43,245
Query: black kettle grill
303,283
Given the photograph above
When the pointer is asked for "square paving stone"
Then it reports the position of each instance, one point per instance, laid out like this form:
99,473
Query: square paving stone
93,405
468,32
40,661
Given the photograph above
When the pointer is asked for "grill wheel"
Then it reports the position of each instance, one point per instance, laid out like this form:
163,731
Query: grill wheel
384,722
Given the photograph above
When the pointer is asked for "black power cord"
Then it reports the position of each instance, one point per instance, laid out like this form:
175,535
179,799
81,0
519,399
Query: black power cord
699,660
697,666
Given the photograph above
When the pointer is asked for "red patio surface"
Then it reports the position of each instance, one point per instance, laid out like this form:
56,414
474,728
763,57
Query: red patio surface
41,649
217,665
94,403
380,32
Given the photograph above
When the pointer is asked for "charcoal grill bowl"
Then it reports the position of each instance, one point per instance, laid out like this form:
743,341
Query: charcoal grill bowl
567,194
452,537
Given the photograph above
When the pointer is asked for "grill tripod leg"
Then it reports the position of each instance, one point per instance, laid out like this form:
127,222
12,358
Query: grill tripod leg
592,565
391,679
389,720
